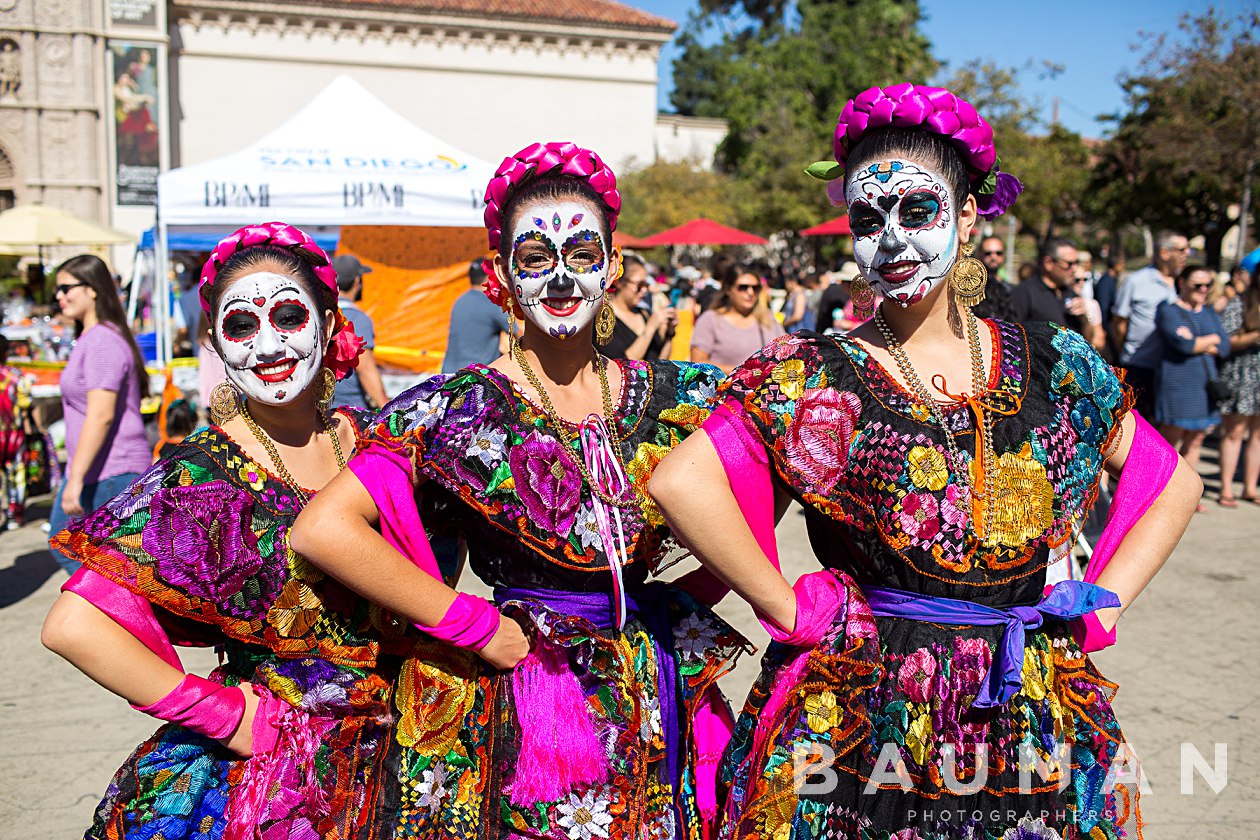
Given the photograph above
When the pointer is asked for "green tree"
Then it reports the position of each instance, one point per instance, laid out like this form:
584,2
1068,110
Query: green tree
1053,163
664,195
1187,146
780,76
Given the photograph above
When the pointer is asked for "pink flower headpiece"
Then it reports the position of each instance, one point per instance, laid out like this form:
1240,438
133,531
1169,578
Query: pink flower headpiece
931,109
342,355
542,159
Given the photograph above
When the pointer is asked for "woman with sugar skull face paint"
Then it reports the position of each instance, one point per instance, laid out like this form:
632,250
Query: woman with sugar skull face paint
943,463
280,740
609,723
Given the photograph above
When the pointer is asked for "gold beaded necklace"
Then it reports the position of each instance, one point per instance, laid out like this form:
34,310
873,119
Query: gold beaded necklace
984,424
282,471
566,439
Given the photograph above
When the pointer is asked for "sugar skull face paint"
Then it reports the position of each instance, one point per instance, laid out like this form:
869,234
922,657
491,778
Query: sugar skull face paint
905,239
559,266
269,332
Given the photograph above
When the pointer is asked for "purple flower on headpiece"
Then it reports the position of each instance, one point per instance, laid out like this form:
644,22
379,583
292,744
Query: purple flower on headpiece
546,483
1005,191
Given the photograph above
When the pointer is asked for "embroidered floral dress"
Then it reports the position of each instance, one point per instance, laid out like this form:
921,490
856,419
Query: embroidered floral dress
202,536
489,457
881,696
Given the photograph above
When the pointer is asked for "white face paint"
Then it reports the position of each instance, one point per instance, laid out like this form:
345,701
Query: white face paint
268,332
904,238
559,266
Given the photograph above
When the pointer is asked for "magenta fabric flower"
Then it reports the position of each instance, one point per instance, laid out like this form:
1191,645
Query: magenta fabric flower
817,441
916,675
920,515
546,483
202,539
955,507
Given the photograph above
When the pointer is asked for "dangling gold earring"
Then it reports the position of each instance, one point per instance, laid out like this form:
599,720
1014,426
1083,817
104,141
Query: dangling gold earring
968,278
327,388
225,403
605,323
863,298
511,313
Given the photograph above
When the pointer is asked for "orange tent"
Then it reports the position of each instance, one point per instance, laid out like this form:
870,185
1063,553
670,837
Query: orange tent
417,274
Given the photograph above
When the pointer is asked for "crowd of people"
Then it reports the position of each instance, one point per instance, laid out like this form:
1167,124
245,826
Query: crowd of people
943,459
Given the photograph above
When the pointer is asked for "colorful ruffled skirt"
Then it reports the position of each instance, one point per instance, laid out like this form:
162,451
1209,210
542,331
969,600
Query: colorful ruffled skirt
461,752
872,736
179,785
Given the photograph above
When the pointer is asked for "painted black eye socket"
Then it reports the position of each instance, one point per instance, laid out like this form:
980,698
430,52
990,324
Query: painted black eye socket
864,221
919,209
239,326
289,317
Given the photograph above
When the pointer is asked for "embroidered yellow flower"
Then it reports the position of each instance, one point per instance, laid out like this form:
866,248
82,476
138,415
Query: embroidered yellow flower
251,474
640,470
790,377
687,416
1023,499
821,712
928,468
919,738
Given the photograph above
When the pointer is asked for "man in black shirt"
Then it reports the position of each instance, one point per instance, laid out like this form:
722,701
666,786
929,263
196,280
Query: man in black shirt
1042,296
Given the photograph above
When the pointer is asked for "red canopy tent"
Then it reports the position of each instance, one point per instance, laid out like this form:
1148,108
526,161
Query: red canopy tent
625,240
835,227
702,232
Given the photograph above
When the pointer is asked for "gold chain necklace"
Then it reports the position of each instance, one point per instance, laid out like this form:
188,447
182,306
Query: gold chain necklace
278,464
984,436
566,440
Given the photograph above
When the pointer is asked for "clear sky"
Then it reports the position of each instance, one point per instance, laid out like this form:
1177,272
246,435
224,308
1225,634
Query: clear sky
1093,40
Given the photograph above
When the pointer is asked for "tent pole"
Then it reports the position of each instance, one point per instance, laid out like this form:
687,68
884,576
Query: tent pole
161,295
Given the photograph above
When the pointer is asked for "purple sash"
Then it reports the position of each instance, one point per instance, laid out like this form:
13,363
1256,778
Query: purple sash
1067,599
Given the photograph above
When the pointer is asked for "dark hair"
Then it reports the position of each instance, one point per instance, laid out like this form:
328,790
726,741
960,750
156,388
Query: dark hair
180,419
92,271
552,188
4,348
930,149
476,274
1189,271
295,262
1049,249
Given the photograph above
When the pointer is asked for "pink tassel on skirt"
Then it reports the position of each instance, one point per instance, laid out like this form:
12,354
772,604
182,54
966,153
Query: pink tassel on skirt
560,751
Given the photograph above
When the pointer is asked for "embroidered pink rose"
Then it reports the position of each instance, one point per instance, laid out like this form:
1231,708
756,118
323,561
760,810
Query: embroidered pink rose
920,515
956,507
916,674
817,441
546,483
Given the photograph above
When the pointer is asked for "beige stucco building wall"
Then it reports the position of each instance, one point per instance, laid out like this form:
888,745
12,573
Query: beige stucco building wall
486,86
52,99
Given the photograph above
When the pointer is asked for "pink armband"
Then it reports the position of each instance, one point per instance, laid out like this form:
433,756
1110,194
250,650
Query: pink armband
201,705
470,623
820,598
1090,635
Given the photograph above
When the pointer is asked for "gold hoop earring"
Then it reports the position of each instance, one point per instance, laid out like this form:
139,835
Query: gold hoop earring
863,298
968,278
327,388
225,403
605,323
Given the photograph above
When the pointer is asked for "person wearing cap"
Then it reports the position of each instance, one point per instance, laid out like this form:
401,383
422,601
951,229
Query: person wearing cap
363,387
479,329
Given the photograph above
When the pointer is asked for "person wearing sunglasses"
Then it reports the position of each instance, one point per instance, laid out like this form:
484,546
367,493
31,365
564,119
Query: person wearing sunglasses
1133,320
101,389
739,325
1192,339
1049,294
997,294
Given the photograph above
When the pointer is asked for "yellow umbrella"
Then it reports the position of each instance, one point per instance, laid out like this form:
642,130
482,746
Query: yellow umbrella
34,224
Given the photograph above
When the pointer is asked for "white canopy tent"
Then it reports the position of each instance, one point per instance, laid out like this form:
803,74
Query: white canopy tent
344,159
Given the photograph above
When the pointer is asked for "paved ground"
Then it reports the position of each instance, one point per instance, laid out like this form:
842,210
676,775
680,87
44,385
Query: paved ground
1186,665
